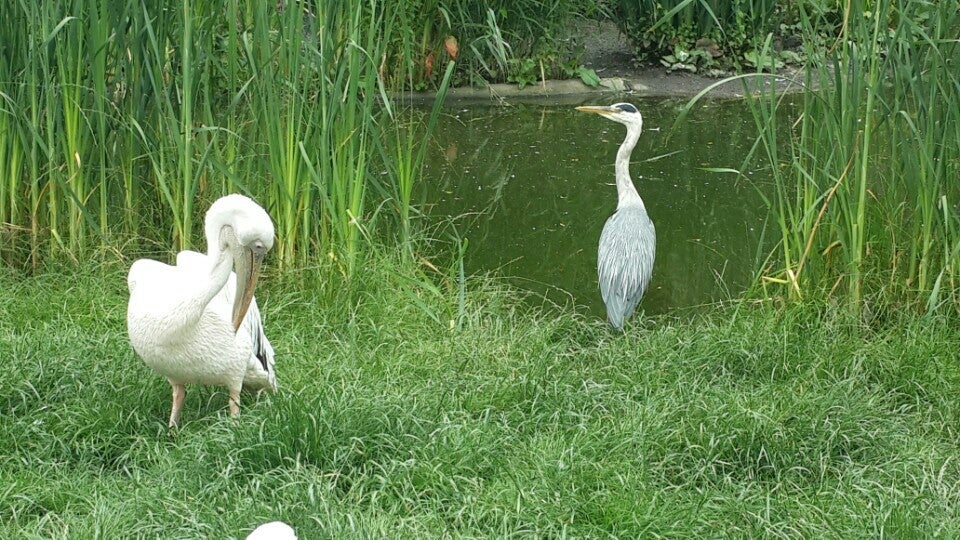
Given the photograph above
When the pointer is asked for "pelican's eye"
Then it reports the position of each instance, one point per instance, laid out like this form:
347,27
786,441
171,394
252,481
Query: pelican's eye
259,248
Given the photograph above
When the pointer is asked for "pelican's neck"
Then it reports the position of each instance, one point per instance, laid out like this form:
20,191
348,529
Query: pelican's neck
221,261
202,282
626,191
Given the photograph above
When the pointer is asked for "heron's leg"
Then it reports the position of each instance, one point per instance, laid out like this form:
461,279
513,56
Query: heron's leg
234,403
179,391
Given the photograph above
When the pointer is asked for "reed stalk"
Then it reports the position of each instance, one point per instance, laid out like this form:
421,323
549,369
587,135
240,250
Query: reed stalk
186,127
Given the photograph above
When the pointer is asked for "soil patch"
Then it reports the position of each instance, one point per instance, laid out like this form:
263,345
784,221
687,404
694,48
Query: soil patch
608,53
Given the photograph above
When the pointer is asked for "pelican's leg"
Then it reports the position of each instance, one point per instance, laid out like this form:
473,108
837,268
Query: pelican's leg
179,391
234,403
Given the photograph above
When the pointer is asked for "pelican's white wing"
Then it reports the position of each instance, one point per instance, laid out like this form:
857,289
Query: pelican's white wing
161,299
260,370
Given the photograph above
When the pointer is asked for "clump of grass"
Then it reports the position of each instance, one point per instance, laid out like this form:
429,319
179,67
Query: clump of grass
518,421
866,194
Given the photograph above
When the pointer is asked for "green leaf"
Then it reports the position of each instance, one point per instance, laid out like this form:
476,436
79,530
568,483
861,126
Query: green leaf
588,76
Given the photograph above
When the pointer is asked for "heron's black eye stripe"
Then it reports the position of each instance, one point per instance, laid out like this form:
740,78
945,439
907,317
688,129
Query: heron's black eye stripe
626,107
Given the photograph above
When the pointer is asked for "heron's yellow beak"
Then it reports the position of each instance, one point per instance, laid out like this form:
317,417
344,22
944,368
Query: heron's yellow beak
247,268
598,109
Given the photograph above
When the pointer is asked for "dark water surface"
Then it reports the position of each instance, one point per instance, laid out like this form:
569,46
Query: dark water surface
531,186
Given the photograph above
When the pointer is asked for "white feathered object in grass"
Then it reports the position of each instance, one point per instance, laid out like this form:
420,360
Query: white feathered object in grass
275,530
198,322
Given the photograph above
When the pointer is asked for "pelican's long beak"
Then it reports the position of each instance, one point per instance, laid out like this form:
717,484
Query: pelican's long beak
599,109
247,268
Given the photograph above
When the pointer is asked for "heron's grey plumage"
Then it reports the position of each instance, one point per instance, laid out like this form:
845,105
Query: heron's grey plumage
625,261
628,242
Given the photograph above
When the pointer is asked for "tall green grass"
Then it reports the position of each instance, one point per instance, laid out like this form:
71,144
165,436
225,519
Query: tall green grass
866,186
121,121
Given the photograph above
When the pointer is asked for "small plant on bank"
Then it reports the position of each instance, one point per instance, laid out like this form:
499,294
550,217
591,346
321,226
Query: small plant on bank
696,60
544,66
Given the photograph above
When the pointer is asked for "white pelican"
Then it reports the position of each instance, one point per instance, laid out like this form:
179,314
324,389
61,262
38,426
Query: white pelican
197,322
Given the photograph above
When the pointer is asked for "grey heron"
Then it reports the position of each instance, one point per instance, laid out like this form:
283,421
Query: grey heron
628,243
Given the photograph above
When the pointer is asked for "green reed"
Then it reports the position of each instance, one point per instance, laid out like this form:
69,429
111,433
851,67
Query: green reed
27,135
282,120
11,158
186,126
123,120
404,156
866,195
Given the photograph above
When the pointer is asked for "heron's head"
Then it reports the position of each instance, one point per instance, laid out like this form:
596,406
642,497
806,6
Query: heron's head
624,113
241,227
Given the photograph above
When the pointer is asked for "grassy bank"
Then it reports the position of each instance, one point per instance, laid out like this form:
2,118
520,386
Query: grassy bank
743,421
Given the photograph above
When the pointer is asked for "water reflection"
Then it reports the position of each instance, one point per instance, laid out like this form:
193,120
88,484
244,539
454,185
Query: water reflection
533,186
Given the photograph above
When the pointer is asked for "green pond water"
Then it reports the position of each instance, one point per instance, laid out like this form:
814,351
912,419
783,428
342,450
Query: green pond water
531,186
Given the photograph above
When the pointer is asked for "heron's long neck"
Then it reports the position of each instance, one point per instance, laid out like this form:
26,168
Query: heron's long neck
626,191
